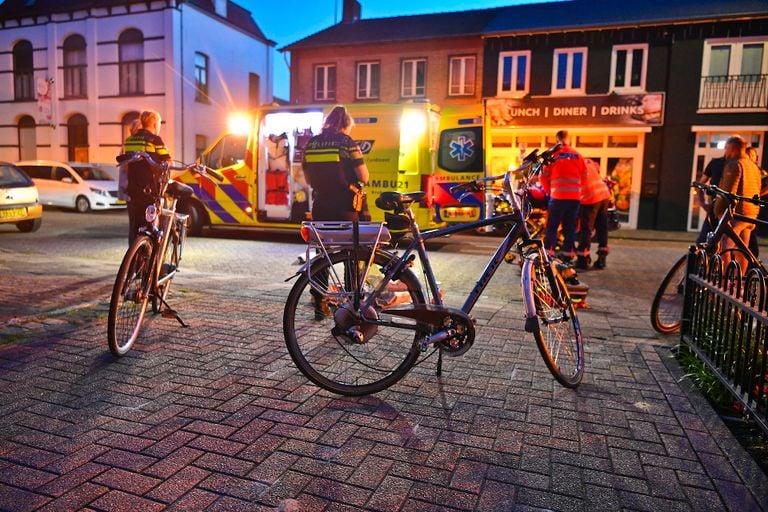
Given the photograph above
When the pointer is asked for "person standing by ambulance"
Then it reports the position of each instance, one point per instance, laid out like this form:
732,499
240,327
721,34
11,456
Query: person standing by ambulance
595,198
562,180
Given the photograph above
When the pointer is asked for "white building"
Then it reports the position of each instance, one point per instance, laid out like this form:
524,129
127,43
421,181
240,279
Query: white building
74,74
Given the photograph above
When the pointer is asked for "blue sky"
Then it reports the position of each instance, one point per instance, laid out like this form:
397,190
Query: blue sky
290,20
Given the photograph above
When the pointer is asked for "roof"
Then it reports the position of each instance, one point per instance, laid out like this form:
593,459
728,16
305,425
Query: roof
236,15
400,28
532,17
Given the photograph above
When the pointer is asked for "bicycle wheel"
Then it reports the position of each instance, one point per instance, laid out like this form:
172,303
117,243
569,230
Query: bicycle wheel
316,320
555,327
170,265
130,296
667,306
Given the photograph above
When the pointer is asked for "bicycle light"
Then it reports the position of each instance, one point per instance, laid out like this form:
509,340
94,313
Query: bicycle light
150,214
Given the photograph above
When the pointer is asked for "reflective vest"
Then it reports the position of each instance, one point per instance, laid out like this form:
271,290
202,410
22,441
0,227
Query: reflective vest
593,188
562,179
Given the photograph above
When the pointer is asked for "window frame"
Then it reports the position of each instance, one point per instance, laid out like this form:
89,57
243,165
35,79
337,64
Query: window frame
414,82
75,75
328,94
128,84
23,76
514,55
463,86
569,90
201,78
373,92
628,67
737,43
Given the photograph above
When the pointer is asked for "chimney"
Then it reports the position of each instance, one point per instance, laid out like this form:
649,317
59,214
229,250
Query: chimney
351,11
220,6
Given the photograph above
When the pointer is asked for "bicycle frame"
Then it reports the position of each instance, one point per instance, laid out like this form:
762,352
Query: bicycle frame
724,228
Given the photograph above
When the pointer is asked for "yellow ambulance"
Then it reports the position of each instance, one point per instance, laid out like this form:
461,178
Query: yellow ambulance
264,183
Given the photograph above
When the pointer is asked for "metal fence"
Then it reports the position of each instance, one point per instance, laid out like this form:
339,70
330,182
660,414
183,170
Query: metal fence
725,323
734,91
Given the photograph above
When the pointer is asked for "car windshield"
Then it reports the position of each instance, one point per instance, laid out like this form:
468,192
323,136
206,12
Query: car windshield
11,177
92,173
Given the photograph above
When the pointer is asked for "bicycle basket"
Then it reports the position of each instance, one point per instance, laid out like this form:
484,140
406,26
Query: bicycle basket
340,233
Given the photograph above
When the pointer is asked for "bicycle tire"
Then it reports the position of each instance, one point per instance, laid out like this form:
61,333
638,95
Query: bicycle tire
333,362
130,296
667,305
555,327
170,264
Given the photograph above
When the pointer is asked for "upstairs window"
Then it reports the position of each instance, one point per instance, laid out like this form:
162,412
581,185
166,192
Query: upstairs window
734,74
514,73
414,78
367,80
201,77
461,79
131,57
628,67
23,72
569,71
74,67
325,82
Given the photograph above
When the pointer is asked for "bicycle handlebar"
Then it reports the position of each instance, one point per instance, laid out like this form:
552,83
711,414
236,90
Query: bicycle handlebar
165,165
717,191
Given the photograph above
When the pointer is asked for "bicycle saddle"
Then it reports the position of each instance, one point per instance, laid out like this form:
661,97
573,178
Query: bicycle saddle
180,190
397,201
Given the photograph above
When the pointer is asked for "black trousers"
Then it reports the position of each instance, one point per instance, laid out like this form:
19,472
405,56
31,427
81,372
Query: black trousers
593,217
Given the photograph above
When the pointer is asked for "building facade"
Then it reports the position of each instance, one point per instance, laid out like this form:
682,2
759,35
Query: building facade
74,75
648,89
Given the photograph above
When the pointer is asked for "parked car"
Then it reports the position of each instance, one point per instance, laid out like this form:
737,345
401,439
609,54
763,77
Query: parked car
80,186
19,199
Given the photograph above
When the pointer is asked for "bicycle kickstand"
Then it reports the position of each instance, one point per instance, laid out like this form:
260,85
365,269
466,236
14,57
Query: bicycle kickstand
168,312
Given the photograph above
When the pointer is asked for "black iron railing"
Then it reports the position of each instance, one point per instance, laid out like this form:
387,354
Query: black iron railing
734,92
725,323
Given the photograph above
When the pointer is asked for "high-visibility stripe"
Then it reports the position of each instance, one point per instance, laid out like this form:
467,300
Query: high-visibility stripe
320,158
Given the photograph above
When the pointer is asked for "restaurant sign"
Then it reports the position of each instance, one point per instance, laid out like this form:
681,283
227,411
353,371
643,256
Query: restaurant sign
610,109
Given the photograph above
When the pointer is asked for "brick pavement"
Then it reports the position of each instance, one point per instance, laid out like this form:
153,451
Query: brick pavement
216,417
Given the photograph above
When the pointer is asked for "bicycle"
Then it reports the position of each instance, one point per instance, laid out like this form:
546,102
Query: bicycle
152,260
667,306
357,319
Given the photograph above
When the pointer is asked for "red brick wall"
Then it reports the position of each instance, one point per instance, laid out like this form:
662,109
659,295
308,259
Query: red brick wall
390,55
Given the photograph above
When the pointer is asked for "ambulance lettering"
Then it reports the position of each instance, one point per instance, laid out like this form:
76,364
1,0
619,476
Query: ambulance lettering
365,146
388,184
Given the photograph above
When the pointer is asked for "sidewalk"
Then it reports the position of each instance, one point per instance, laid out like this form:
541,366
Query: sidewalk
216,417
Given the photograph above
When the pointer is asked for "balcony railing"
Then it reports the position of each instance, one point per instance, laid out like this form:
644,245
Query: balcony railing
734,92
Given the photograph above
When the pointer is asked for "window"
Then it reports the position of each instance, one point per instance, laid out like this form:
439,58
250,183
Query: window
201,144
77,138
734,74
23,72
127,123
414,78
254,90
229,150
27,139
569,70
201,77
628,67
514,71
131,56
367,80
74,67
38,172
461,150
461,79
325,82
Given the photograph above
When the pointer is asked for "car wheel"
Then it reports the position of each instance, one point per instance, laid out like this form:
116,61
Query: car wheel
28,226
82,205
196,219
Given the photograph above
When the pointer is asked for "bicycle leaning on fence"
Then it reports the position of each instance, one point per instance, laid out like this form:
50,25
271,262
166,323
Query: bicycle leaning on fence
667,306
152,260
358,319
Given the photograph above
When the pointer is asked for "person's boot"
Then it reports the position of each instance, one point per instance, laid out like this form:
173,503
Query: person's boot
583,261
602,254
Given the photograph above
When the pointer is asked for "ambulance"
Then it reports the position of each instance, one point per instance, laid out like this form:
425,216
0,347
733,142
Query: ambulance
264,182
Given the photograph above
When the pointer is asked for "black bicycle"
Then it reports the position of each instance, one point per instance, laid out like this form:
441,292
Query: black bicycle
152,260
667,306
358,319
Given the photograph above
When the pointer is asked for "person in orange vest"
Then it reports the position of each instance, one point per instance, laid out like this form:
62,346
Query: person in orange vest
561,181
595,199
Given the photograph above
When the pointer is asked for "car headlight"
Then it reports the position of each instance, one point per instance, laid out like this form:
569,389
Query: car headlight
99,191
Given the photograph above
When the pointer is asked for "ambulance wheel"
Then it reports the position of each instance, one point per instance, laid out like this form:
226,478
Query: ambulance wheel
197,218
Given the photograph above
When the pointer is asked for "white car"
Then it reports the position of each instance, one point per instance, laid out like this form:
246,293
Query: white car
80,186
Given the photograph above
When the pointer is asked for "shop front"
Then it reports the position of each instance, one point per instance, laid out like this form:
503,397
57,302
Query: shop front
609,129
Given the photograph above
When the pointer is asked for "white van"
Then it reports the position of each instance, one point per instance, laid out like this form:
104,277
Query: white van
81,186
